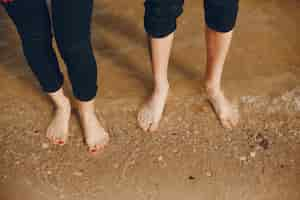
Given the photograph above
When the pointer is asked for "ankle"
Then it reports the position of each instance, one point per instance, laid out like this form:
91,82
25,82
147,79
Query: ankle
162,87
63,103
86,111
212,89
86,108
59,99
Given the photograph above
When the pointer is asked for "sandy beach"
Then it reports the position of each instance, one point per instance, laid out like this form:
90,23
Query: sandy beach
191,157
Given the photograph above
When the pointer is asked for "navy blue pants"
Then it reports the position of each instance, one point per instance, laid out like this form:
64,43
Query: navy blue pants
160,15
71,24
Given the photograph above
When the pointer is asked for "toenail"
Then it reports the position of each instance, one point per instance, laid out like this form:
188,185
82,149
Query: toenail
93,150
61,142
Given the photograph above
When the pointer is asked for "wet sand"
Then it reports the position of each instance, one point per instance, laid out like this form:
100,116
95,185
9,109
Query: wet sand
191,156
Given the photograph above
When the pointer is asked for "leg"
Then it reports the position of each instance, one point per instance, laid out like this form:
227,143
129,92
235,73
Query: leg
33,25
160,23
218,39
72,21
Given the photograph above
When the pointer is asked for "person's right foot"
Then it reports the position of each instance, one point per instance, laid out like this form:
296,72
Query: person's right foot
151,112
57,131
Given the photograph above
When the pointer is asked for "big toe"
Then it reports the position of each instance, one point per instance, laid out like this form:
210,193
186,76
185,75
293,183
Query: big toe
95,148
59,141
226,123
154,126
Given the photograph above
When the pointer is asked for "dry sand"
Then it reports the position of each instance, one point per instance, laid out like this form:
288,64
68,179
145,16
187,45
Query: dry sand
191,157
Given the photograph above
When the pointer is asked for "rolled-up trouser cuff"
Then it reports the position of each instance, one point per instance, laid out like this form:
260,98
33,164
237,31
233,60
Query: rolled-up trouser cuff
161,16
55,86
221,16
87,94
160,29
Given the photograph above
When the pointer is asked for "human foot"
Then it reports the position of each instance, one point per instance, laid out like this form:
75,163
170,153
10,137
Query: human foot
151,112
57,131
227,114
95,135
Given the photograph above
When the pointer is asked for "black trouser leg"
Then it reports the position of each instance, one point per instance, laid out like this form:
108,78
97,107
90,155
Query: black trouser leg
33,25
72,21
72,24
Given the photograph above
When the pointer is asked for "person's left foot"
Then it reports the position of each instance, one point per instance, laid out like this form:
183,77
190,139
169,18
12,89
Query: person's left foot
95,135
227,114
151,112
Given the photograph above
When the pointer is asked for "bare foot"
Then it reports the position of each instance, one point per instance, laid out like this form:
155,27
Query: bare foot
227,114
95,135
57,131
151,112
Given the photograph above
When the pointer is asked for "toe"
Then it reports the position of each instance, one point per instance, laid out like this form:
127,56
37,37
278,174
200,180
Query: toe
106,139
144,120
235,121
141,121
234,117
51,138
55,141
237,117
96,149
154,126
140,117
60,142
93,150
49,135
226,123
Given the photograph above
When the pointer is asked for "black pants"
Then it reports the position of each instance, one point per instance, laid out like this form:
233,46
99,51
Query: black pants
160,15
71,25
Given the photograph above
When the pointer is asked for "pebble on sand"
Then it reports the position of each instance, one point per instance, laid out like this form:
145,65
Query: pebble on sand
194,150
253,154
116,165
243,158
262,141
208,173
45,146
175,150
264,144
77,173
160,158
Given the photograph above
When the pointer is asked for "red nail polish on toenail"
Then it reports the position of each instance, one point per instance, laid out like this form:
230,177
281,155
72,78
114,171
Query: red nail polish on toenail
61,142
93,150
